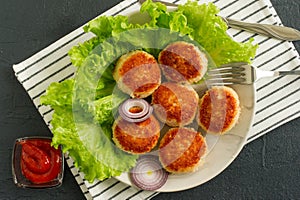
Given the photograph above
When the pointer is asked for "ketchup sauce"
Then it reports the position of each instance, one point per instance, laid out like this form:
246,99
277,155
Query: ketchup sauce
39,162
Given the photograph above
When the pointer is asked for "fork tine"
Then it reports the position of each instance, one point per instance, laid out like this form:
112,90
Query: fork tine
227,74
226,69
225,81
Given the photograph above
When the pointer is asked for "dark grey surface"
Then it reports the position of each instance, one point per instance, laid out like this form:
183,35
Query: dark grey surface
267,168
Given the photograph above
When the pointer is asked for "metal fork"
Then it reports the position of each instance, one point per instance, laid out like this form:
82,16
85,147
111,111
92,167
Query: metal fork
241,73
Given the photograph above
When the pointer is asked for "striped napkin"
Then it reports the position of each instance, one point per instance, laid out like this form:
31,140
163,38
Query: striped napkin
278,99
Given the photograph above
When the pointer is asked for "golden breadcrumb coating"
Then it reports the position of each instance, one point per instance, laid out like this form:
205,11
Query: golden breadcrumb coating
181,150
137,73
136,137
183,62
219,110
175,104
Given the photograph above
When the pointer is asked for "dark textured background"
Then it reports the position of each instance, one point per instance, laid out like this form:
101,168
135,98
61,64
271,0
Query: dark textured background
267,168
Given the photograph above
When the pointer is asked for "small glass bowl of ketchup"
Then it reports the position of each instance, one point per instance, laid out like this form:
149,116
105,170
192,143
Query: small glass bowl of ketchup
36,164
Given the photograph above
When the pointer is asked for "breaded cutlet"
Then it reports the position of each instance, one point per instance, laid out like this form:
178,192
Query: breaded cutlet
183,62
219,110
137,73
175,104
181,150
136,137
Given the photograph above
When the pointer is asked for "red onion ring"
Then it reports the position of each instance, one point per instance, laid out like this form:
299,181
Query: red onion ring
148,174
146,110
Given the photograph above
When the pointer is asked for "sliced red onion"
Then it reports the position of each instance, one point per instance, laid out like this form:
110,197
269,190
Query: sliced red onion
144,106
148,174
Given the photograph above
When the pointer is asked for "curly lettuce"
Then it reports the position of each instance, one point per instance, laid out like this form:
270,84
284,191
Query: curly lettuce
202,24
73,135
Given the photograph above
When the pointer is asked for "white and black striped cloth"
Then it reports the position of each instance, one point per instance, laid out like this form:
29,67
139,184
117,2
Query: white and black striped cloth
278,100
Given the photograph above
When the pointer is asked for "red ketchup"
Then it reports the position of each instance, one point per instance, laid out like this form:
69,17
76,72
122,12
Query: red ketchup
40,163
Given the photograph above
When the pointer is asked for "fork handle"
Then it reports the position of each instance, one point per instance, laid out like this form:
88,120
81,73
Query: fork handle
279,32
293,72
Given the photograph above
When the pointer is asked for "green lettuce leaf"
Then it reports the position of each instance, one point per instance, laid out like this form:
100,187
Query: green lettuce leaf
87,143
64,99
210,32
78,53
201,23
105,108
103,27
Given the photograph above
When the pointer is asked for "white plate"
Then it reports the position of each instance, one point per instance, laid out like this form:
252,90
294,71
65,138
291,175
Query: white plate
225,148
